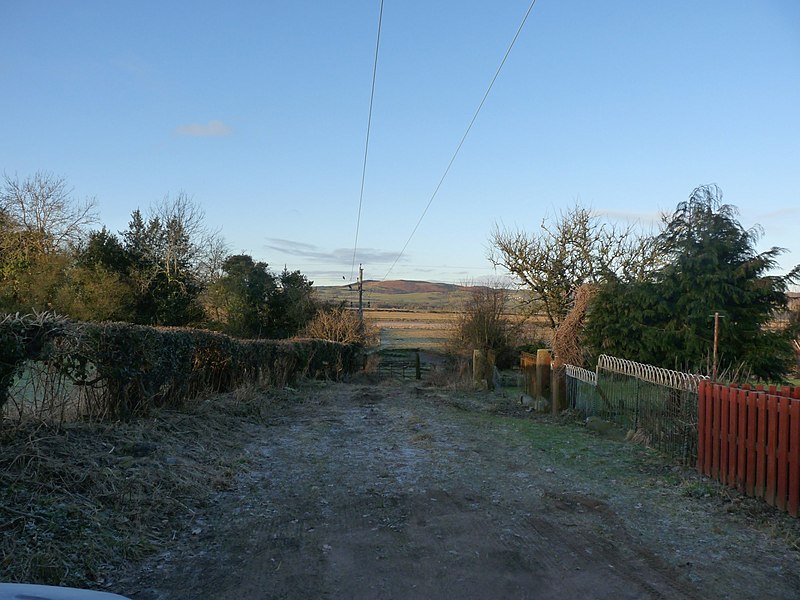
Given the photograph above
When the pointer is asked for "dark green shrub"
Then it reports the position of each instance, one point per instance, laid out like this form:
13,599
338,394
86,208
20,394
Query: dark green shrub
126,369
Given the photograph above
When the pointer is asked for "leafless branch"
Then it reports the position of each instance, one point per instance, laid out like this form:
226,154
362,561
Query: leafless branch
574,249
43,205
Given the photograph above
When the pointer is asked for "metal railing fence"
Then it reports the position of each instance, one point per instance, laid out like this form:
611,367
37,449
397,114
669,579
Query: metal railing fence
657,406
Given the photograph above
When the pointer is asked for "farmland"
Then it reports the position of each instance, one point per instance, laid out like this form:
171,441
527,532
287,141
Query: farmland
426,330
414,314
404,295
407,314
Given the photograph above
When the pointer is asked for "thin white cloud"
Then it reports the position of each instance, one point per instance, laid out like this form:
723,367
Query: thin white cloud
336,256
210,129
632,216
780,214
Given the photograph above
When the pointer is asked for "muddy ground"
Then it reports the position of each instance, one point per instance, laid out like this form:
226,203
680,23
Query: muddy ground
401,490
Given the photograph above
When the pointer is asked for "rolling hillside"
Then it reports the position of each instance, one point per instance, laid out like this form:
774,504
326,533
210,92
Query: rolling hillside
400,294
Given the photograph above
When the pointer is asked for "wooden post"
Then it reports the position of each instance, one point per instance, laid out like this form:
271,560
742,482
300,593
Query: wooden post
541,386
417,365
478,367
361,295
527,363
558,386
490,362
716,342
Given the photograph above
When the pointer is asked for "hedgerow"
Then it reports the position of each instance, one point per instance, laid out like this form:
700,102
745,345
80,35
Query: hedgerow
50,366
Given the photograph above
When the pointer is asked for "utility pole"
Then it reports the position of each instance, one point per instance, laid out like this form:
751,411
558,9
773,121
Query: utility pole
361,295
716,340
716,344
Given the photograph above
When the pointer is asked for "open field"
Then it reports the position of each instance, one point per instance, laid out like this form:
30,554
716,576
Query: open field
428,330
412,329
407,295
416,314
441,297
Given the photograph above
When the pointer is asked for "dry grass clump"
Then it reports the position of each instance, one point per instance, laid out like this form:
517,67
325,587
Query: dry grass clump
341,325
455,375
80,499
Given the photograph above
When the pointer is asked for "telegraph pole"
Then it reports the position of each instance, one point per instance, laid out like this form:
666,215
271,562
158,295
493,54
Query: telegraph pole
716,339
716,344
361,295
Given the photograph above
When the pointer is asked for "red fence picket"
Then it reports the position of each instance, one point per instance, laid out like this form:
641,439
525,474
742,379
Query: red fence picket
761,444
782,462
702,390
741,457
794,456
750,439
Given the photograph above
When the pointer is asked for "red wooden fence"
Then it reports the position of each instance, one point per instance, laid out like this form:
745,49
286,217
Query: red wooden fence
750,439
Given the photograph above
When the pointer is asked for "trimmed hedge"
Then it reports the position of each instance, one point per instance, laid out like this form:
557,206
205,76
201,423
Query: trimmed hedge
129,368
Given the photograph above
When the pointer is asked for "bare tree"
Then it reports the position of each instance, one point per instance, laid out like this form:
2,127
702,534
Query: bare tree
575,249
187,237
484,322
172,253
43,205
213,250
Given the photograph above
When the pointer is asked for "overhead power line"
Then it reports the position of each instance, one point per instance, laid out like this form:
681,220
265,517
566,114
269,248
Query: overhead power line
366,143
464,137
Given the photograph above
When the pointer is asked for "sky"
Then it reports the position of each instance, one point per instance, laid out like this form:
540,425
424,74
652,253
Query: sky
258,111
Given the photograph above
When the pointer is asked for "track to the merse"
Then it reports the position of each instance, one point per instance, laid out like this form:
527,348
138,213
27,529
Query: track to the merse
403,491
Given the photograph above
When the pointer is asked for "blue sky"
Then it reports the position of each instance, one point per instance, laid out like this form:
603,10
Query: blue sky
258,111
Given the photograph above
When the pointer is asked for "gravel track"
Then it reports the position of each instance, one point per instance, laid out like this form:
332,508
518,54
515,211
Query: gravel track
398,490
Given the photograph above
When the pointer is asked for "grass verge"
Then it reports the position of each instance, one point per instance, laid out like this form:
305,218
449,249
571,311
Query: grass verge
78,500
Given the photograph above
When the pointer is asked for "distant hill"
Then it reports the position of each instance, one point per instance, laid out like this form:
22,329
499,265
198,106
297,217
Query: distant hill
404,286
403,294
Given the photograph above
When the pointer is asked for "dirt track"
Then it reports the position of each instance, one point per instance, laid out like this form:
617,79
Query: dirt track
402,491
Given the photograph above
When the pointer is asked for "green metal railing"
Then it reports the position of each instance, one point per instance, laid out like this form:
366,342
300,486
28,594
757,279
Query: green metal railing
657,406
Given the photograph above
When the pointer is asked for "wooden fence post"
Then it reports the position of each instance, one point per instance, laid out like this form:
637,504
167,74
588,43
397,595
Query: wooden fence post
527,363
478,367
489,374
558,388
541,387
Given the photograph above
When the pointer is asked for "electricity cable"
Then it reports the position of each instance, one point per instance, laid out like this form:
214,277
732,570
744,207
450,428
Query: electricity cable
463,138
366,144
